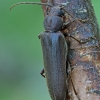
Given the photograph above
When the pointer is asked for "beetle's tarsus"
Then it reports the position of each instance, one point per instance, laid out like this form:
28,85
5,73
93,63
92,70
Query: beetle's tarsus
42,73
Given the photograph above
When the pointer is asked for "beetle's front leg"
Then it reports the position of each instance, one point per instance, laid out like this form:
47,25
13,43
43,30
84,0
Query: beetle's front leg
42,72
67,23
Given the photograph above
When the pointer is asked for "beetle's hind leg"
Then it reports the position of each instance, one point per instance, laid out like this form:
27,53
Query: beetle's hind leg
42,72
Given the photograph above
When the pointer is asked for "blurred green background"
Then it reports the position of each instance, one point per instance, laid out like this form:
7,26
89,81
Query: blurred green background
20,51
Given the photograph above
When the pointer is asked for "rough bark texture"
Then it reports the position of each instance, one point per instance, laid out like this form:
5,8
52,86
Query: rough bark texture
84,54
84,50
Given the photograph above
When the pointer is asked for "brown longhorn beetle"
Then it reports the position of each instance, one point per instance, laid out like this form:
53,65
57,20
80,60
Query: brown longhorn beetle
54,49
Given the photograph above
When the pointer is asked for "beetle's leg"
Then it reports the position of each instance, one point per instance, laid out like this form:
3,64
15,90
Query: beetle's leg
83,20
75,38
67,23
76,19
42,72
39,36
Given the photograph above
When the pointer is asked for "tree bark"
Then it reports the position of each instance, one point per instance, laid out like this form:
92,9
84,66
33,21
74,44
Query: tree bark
82,37
84,57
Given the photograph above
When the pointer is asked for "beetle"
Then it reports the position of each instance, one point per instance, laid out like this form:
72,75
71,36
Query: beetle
54,54
54,49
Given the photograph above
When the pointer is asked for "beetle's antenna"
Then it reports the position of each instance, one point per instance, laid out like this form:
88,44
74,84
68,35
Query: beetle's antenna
38,3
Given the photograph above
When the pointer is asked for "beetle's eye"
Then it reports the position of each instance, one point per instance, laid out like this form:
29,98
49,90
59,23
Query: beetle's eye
61,12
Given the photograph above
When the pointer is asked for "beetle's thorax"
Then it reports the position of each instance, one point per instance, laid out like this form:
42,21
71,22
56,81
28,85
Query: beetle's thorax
53,22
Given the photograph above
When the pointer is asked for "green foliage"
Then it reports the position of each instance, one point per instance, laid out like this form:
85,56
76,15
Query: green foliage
20,51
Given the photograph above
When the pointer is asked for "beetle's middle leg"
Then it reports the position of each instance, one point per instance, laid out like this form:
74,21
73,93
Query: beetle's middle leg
42,72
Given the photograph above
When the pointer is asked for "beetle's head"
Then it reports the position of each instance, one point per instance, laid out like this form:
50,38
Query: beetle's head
56,11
